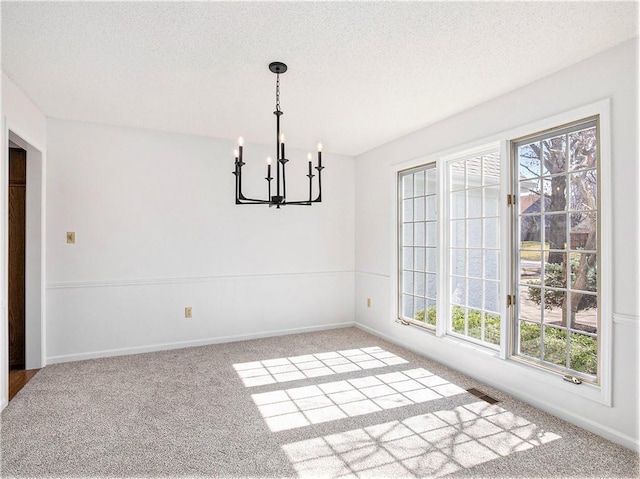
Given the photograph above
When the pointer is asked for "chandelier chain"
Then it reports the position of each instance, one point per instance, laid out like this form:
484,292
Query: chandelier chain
278,92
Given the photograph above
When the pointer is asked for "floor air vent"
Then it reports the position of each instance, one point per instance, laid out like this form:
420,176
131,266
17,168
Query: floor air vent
479,394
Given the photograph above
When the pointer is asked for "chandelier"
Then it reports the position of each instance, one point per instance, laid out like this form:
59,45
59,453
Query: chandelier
280,197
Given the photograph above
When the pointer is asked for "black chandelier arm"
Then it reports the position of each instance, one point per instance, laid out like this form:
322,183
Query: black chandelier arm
310,186
319,197
273,203
238,174
239,194
278,174
261,202
277,200
284,177
249,201
235,173
240,198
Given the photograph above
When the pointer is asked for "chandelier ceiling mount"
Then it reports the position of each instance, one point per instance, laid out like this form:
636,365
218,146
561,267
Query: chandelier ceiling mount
277,67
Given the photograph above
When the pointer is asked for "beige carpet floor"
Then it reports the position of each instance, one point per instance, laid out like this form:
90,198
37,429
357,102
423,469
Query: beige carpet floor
338,403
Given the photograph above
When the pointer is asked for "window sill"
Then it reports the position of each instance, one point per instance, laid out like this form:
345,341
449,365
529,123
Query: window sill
530,372
423,327
452,339
554,379
593,392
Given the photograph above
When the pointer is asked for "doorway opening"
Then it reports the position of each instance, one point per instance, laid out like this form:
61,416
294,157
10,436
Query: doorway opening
25,279
16,259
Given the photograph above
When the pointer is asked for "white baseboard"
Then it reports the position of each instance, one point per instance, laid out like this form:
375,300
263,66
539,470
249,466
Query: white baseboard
564,414
196,342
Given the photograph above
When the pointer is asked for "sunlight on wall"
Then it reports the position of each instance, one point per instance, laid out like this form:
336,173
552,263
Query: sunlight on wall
258,373
428,445
303,406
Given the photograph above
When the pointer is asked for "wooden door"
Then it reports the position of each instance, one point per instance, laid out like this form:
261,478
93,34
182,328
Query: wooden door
16,257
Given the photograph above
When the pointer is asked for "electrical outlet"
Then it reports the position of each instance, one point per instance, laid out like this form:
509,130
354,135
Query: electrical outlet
368,302
188,312
71,237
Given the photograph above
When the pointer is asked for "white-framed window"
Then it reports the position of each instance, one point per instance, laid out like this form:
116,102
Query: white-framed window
473,250
557,258
556,244
417,245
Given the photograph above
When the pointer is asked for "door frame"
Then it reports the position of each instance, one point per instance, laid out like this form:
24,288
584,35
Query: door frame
35,259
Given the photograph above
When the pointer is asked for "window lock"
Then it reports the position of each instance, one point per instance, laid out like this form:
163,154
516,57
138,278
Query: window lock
572,379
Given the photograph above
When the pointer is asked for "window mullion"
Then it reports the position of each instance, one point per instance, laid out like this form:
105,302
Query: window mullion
444,237
509,260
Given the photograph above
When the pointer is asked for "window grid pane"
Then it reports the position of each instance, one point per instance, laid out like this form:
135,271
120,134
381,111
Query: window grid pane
558,319
418,240
474,233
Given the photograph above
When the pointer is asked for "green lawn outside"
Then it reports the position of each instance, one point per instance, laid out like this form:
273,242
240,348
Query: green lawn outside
583,348
530,250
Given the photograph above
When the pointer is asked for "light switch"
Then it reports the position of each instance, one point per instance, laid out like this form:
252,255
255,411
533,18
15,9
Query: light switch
71,237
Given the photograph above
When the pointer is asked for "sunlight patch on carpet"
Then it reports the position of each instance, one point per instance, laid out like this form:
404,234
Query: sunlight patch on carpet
302,406
429,445
270,371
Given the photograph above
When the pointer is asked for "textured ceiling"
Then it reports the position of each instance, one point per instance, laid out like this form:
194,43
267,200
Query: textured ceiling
360,73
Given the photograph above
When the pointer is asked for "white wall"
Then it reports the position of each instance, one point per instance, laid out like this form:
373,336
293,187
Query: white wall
25,123
157,230
612,74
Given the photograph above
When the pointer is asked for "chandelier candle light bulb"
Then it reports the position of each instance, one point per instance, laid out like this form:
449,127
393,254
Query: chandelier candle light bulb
280,198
